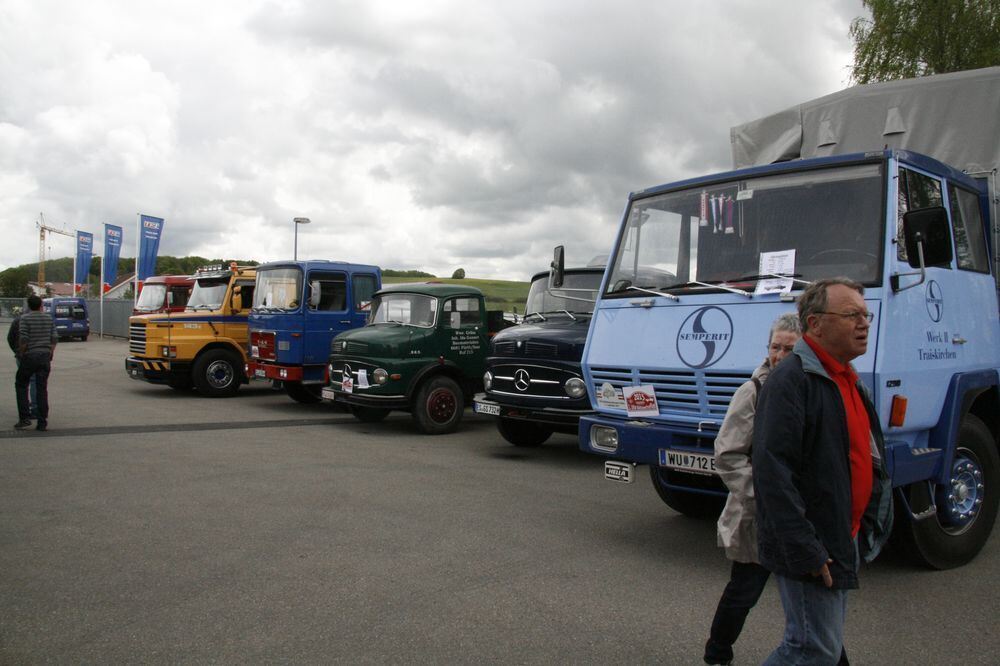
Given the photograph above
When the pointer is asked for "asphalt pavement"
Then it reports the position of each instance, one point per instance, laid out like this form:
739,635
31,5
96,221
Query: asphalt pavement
154,526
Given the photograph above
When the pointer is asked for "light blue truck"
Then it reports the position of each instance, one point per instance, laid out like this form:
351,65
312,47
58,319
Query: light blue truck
857,184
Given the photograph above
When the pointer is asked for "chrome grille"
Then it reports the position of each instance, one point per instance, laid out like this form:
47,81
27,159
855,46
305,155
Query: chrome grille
536,381
678,391
337,372
137,338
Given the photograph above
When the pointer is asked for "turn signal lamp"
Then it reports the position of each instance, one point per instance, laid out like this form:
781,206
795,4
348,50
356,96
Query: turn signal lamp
897,415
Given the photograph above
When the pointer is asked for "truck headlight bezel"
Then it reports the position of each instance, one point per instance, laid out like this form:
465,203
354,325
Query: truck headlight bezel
575,387
380,376
603,438
488,380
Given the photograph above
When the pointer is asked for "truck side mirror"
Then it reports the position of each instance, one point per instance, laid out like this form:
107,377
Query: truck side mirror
927,227
315,292
237,301
557,269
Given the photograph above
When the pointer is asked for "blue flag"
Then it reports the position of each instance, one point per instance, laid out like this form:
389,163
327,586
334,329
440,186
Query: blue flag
84,251
112,248
150,229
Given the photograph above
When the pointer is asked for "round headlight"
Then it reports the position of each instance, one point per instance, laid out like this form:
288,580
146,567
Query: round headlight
488,380
380,376
575,387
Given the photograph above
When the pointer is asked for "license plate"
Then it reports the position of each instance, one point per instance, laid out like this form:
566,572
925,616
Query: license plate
619,471
486,408
685,461
259,372
328,393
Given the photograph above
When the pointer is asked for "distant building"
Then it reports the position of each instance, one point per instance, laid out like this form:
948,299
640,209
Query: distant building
123,284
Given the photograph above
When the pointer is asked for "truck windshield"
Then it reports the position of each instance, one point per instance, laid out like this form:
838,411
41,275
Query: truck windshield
277,289
831,220
564,299
151,297
410,309
207,295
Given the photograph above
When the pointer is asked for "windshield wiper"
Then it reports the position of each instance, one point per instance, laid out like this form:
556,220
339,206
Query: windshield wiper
774,276
653,292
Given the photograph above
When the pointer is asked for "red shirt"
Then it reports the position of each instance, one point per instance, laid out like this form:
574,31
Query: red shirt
858,429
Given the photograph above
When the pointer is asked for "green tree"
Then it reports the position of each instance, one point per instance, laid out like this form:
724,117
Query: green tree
910,38
459,274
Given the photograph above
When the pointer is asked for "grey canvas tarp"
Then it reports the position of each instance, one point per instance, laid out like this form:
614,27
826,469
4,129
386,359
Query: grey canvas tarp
954,118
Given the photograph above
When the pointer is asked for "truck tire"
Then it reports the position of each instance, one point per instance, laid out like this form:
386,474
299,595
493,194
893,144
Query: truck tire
369,414
307,394
967,507
216,373
438,405
692,505
83,338
522,433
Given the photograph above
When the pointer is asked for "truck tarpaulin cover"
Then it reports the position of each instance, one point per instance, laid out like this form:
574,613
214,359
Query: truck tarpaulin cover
954,118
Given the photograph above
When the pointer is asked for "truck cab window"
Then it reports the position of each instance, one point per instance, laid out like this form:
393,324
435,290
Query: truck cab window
365,287
462,312
969,230
915,191
332,291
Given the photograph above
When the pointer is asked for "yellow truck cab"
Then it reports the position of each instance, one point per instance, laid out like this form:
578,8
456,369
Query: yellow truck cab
204,346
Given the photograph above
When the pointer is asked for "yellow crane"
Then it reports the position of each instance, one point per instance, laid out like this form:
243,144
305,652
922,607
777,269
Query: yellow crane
42,228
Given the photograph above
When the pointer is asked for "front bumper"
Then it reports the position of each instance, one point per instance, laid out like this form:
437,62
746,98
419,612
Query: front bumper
155,371
308,374
362,400
558,419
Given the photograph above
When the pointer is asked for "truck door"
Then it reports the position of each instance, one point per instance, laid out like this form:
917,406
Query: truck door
363,287
464,321
327,313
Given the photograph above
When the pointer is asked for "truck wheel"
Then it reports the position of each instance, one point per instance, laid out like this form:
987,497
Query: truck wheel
693,505
307,394
522,433
83,338
369,414
216,373
438,406
966,506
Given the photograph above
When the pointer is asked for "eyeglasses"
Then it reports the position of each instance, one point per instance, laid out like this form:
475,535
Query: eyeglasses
856,316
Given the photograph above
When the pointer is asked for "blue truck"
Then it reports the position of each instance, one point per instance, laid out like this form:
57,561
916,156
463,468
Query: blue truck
702,267
298,308
70,315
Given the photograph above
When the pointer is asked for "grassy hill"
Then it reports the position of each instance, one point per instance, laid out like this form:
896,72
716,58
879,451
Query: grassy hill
500,294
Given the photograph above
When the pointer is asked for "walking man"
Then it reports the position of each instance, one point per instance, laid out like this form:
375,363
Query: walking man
823,494
36,343
12,342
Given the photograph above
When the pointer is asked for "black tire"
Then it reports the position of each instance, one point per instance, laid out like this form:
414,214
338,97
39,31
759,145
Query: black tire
217,373
944,541
438,405
83,338
369,414
307,394
692,505
522,433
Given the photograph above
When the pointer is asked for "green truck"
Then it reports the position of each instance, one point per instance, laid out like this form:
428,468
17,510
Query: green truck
423,351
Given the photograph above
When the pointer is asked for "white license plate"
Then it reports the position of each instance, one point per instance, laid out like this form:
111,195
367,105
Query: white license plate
328,393
486,408
619,471
259,372
685,461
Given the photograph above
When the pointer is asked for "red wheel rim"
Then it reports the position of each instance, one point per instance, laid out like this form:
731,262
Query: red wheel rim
441,405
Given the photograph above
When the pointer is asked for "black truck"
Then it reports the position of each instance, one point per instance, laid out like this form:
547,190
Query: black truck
533,381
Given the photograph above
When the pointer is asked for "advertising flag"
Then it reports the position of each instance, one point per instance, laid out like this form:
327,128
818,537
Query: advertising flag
84,252
112,248
150,229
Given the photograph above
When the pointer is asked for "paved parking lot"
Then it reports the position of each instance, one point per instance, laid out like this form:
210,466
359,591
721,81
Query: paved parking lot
158,527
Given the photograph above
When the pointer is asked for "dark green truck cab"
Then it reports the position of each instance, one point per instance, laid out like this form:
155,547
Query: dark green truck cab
423,351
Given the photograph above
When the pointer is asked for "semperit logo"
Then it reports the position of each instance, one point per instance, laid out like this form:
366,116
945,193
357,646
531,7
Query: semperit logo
704,337
935,301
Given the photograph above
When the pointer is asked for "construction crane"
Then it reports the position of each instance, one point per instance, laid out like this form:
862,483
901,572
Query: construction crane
42,228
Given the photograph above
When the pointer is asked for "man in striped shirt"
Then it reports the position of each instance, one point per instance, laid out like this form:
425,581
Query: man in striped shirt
36,346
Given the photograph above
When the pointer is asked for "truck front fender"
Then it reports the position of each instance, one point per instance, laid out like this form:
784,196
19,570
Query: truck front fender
963,391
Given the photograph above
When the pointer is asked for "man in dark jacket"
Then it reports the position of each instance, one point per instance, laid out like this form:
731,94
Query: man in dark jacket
12,336
36,345
823,494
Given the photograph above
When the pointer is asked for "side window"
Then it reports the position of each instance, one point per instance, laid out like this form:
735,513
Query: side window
246,294
916,191
179,296
364,289
462,312
332,289
967,222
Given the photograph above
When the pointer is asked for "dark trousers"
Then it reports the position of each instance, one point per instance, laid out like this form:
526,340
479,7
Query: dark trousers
746,583
37,365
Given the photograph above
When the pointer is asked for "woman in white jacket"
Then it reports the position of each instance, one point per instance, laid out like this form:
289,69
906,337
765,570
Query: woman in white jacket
737,532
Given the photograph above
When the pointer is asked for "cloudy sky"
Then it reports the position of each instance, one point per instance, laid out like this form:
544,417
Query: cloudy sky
430,135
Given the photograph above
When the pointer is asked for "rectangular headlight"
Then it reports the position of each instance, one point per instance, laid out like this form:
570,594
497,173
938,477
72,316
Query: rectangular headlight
603,438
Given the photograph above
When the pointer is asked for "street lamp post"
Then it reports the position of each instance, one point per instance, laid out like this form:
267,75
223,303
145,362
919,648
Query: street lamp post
298,221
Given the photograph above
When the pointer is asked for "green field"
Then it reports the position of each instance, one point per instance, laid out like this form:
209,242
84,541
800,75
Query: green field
503,295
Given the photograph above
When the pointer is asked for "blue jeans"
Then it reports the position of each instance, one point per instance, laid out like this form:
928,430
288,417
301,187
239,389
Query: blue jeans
814,624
